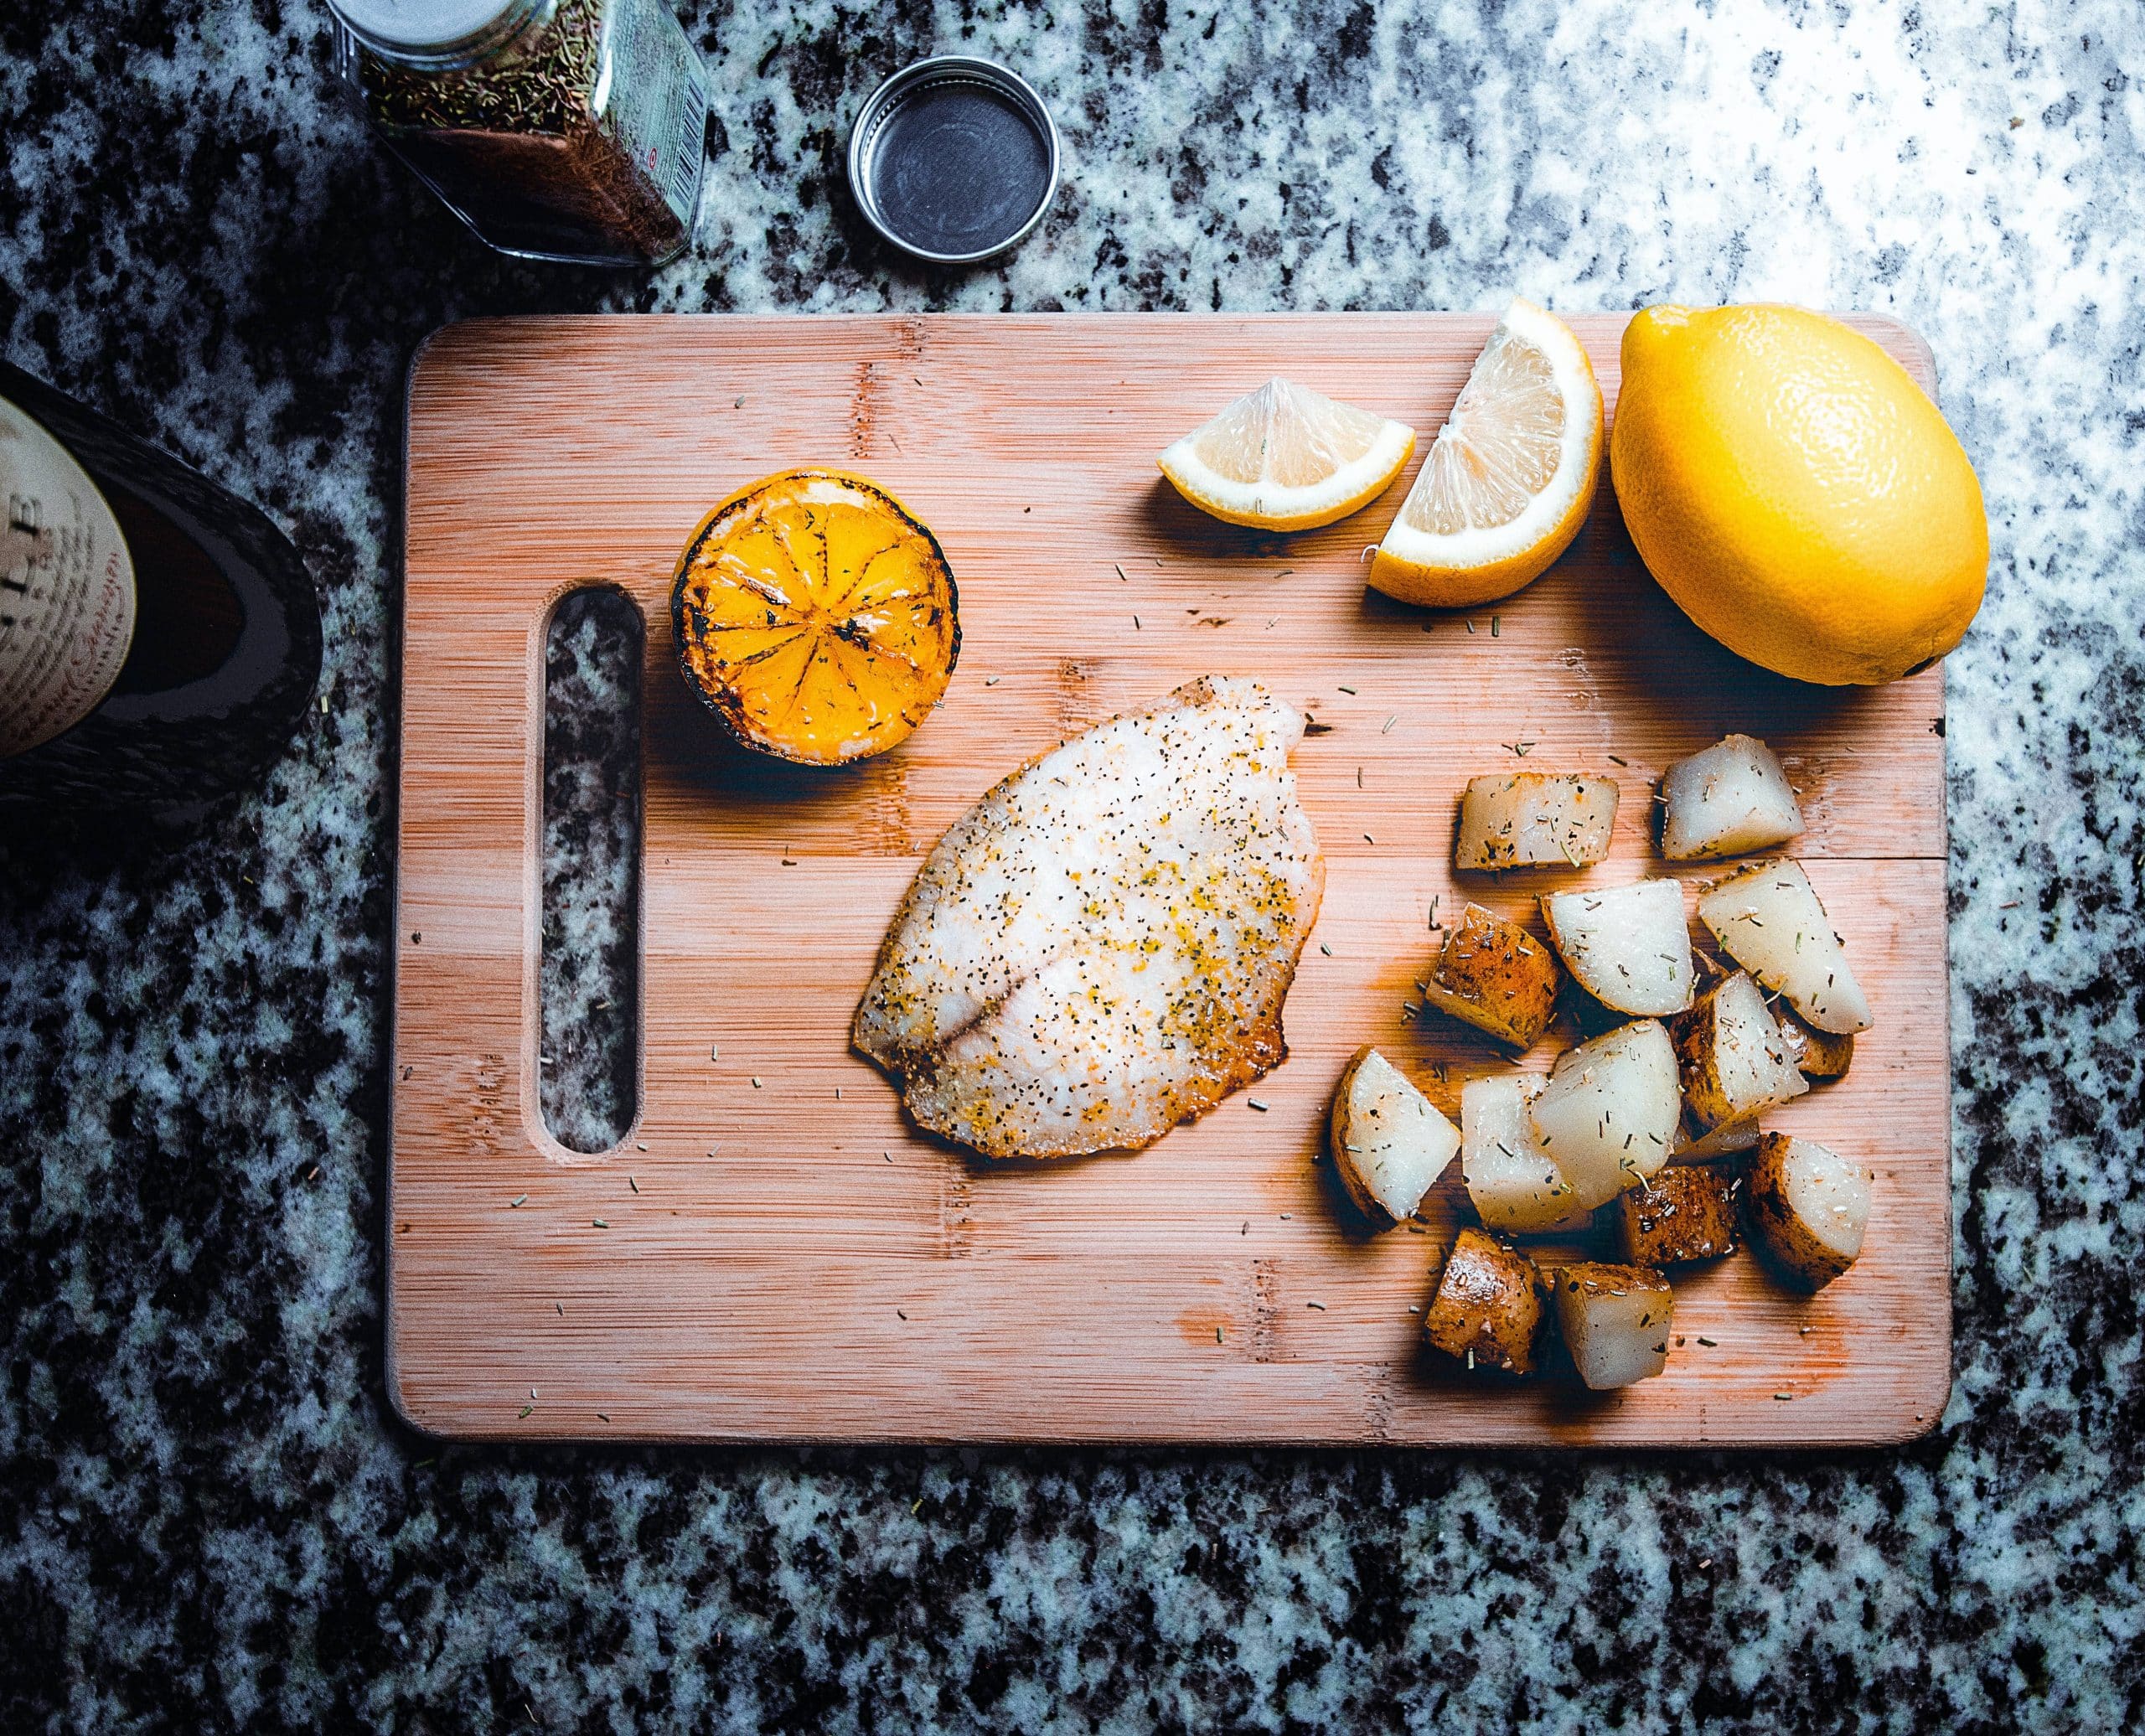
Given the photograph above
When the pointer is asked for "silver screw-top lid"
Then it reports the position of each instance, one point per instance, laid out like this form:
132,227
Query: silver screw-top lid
954,159
425,26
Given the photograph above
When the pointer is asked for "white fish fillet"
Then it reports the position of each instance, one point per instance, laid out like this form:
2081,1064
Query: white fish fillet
1099,948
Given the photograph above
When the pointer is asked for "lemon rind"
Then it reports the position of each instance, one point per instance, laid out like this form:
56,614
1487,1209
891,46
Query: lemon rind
1272,507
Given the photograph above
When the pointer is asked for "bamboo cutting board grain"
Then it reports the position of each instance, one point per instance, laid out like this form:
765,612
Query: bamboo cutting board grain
796,1264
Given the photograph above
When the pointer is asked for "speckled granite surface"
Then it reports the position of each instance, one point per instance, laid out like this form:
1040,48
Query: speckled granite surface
208,1519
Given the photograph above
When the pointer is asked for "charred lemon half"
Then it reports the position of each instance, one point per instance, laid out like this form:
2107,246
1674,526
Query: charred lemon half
816,616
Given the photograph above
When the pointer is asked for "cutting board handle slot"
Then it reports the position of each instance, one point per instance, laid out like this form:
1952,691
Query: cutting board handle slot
589,933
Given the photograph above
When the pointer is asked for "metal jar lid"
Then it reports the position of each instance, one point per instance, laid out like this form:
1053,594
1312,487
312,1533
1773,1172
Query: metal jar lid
954,159
430,29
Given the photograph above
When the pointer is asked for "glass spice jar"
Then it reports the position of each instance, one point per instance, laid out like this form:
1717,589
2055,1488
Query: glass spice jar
555,129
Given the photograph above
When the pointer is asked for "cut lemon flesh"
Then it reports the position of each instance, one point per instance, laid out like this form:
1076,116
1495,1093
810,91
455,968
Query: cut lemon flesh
1510,476
1285,457
817,618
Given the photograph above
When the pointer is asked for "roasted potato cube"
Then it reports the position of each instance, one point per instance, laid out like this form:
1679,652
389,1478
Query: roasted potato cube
1390,1143
1682,1213
1529,820
1732,798
1628,947
1610,1111
1809,1207
1488,1309
1816,1054
1615,1321
1515,1186
1767,918
1496,977
1733,1061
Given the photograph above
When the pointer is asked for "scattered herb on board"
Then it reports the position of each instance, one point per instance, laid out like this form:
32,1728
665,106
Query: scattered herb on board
1259,1104
1496,625
601,1223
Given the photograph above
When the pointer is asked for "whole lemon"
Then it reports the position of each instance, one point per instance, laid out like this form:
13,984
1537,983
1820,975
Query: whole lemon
1795,493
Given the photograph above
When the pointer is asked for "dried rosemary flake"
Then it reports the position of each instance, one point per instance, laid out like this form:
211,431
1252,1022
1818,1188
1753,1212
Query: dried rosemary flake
1348,689
1389,723
630,1182
1496,625
1258,1103
1325,949
1708,1344
519,1200
601,1223
1319,1306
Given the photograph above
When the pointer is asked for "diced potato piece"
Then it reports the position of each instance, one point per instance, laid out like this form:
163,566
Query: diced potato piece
1528,820
1610,1111
1732,798
1628,947
1615,1321
1516,1185
1685,1212
1733,1061
1496,977
1390,1143
1808,1208
1488,1310
1818,1054
1767,918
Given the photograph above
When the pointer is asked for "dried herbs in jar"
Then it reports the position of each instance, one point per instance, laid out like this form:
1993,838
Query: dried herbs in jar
555,129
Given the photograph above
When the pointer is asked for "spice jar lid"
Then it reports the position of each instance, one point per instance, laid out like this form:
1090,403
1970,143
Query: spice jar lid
425,26
954,159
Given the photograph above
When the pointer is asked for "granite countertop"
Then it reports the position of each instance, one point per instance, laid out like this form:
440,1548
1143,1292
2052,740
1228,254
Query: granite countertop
209,1517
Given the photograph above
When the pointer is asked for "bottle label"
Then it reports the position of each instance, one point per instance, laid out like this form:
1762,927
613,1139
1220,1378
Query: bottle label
66,588
658,112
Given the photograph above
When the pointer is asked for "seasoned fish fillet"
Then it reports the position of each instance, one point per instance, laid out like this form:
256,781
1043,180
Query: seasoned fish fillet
1099,948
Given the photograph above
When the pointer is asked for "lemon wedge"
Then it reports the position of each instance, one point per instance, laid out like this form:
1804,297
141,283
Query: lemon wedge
1285,457
1510,476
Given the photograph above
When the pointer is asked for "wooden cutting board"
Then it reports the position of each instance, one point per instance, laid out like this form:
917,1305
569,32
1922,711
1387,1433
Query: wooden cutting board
796,1263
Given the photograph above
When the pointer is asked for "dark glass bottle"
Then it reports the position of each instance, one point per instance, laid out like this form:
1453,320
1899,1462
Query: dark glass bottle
204,606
